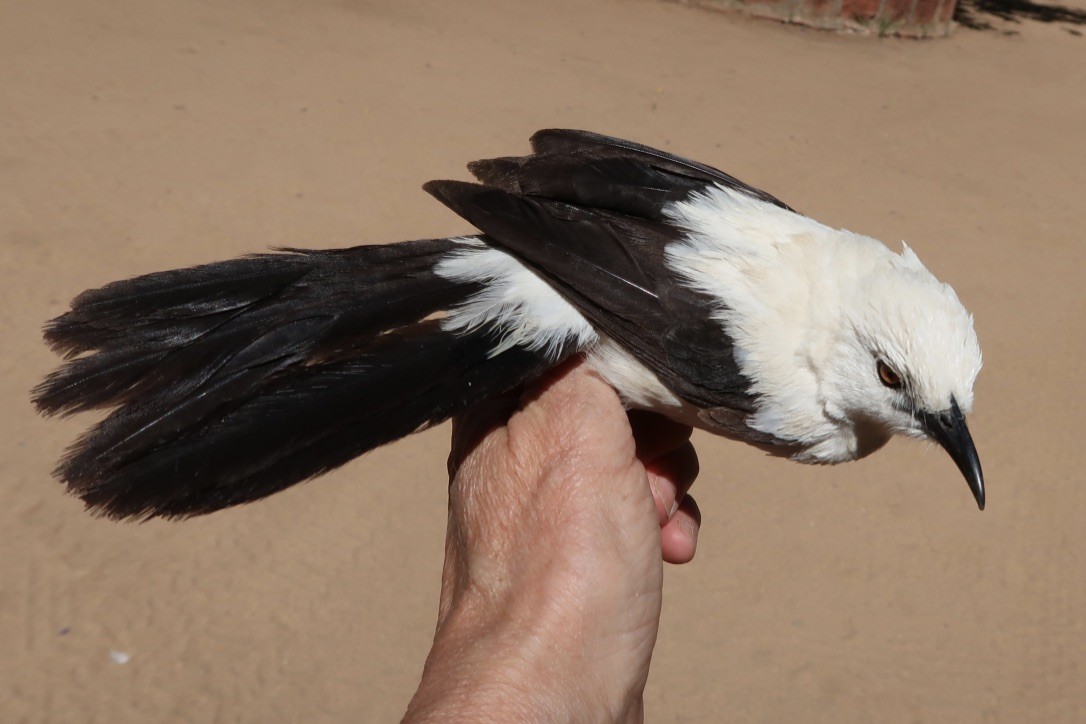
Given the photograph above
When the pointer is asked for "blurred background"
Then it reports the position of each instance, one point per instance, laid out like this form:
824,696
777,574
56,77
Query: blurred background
139,135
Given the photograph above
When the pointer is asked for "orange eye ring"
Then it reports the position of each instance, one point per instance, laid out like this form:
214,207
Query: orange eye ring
888,377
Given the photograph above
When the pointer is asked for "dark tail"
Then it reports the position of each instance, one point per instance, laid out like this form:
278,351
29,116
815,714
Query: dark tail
234,380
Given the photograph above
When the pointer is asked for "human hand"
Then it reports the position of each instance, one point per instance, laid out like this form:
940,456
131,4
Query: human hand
561,512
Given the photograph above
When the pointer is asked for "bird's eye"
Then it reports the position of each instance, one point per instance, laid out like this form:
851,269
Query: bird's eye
888,377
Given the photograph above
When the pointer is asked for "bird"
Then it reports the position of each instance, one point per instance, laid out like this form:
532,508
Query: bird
693,294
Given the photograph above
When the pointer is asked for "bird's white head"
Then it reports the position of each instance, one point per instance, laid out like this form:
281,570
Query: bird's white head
905,360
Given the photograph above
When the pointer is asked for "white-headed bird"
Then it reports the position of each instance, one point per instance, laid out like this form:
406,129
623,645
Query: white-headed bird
693,294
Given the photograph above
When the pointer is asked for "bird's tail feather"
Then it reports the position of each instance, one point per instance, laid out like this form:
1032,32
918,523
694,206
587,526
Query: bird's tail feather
234,380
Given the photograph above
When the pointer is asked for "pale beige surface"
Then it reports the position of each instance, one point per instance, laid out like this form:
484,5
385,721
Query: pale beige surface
136,136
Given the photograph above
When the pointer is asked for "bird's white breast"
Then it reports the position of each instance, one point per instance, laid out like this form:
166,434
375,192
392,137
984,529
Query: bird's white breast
780,279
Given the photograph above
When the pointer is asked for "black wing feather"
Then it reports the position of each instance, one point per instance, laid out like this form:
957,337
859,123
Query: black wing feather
616,184
611,267
558,141
587,212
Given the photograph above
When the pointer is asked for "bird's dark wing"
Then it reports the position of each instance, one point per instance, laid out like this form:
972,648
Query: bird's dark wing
586,212
595,170
610,266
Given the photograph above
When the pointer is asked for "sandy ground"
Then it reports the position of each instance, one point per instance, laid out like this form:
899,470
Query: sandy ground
137,136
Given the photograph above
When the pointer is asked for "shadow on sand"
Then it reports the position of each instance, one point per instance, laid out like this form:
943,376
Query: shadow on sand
978,14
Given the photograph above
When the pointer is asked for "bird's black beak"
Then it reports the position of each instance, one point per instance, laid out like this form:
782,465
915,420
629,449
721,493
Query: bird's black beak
949,430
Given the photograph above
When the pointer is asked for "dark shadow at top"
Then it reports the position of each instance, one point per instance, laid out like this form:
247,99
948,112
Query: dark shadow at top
977,14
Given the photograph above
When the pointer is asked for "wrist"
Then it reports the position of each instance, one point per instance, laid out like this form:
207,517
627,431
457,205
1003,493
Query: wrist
516,660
